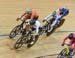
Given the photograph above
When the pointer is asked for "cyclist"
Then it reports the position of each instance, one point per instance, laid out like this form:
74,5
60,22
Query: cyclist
57,15
35,26
29,14
71,41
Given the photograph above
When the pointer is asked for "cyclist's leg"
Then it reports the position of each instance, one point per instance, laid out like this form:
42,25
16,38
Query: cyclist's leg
72,48
57,18
70,54
54,23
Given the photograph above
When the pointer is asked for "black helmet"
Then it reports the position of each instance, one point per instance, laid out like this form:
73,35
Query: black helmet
71,36
32,22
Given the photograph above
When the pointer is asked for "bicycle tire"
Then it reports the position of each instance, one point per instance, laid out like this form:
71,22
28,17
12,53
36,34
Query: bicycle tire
15,31
61,54
19,42
34,41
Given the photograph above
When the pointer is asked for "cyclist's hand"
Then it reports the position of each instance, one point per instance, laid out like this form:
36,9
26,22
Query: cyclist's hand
62,44
18,19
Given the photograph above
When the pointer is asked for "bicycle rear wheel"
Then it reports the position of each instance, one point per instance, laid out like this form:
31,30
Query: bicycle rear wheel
32,41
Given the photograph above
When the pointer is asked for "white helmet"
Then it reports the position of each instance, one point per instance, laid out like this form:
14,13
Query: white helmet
28,11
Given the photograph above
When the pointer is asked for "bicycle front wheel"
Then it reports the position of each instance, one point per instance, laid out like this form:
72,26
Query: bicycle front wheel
15,31
62,54
19,42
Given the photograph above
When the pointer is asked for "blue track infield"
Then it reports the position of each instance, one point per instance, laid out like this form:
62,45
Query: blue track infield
54,32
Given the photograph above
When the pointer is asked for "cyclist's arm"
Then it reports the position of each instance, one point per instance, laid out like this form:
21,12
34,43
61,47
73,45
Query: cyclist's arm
50,15
22,15
47,17
65,39
20,18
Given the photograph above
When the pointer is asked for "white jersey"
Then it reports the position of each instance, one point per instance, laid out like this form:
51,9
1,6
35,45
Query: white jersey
37,25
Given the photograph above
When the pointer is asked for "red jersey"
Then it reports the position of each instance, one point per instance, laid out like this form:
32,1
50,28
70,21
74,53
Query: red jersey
71,41
33,15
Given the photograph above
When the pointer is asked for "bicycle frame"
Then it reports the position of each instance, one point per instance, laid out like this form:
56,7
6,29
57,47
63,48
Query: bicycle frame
66,49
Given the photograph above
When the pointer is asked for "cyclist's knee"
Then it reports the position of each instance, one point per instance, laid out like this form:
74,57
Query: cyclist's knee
73,46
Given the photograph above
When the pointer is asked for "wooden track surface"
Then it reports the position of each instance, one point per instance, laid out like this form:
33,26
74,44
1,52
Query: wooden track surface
11,9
